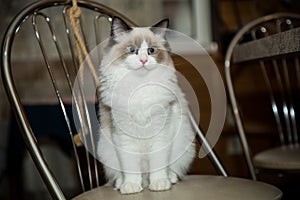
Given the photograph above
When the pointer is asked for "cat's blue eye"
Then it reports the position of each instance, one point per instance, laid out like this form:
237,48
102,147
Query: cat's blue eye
131,49
152,50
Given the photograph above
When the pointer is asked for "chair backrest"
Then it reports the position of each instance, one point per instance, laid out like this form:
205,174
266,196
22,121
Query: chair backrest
40,42
272,43
40,45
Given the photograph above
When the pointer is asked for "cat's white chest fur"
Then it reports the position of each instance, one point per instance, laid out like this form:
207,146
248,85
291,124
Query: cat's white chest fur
141,88
141,101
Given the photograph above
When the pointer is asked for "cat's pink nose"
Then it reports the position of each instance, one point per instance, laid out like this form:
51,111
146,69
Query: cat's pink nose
143,61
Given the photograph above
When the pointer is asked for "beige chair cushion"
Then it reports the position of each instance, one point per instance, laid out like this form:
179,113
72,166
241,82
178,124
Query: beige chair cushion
195,187
284,158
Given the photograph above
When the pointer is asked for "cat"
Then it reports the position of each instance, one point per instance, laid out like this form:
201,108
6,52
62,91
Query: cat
145,137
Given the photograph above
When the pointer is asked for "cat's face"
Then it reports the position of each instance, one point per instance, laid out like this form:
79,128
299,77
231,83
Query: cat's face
139,49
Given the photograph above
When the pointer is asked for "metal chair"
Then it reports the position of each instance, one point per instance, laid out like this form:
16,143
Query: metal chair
50,15
270,44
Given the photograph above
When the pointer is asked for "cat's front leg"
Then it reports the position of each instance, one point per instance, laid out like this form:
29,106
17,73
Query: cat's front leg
159,172
130,166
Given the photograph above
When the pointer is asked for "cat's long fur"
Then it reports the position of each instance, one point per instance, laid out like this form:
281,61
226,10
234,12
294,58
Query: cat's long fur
146,139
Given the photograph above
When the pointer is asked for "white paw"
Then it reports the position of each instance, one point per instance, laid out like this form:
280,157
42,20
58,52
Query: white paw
118,183
130,188
173,177
160,184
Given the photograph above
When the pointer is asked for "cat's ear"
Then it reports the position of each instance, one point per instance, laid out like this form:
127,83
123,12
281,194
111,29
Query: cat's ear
160,27
118,27
162,24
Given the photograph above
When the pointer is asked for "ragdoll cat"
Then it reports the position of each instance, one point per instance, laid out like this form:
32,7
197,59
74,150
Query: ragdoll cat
146,139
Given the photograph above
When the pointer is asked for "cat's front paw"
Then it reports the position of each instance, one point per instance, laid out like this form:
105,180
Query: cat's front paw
173,177
118,183
160,184
130,188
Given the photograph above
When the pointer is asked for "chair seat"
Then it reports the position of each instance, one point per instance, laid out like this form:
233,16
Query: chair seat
282,158
195,187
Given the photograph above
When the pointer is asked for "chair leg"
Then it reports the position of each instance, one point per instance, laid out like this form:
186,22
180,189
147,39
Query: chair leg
207,147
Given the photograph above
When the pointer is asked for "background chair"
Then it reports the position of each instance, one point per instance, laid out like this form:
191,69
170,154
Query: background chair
265,52
44,29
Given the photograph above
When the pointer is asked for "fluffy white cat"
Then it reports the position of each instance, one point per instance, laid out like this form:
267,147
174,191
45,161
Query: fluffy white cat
146,138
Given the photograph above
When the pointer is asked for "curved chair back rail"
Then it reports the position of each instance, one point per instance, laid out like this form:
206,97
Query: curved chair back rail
41,16
270,40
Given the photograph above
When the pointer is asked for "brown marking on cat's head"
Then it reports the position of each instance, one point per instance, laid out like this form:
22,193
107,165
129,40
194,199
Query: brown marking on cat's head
124,36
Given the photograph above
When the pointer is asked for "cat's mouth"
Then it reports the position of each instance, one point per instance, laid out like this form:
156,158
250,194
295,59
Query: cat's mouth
145,68
142,70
